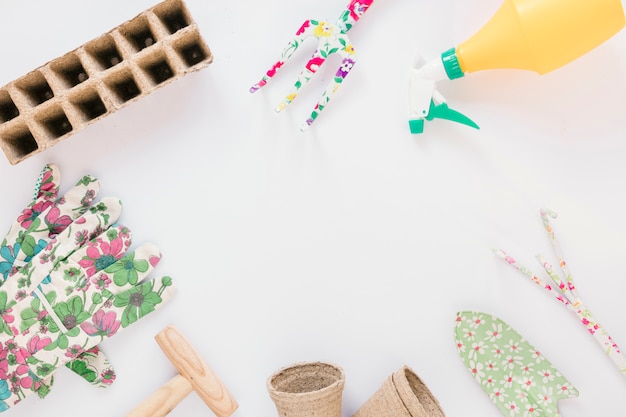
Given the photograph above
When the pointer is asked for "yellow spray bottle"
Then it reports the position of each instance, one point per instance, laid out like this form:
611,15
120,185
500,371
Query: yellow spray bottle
534,35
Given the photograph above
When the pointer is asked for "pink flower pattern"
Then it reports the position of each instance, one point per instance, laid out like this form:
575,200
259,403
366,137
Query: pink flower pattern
517,381
103,324
303,28
57,222
101,254
32,345
357,8
31,213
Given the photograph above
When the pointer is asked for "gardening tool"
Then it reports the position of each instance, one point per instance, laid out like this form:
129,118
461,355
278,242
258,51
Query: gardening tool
332,39
516,376
565,292
194,375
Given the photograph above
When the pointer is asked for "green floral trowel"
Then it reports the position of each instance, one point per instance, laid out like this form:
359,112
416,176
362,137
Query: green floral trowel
517,377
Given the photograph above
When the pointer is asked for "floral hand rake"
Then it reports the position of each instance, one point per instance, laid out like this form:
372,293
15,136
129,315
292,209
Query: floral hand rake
566,293
332,39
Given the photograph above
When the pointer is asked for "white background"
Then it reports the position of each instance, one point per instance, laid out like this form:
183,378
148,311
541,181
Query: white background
355,242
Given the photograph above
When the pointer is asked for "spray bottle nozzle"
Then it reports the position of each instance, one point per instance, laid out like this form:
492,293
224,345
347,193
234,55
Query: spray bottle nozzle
426,103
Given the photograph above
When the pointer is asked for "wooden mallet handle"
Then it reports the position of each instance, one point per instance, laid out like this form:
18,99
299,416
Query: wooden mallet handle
194,375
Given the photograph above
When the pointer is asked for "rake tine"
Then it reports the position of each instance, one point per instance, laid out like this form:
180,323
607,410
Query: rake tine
301,35
332,39
346,66
305,75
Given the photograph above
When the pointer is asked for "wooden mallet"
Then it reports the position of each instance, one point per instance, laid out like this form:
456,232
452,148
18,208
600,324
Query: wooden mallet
193,375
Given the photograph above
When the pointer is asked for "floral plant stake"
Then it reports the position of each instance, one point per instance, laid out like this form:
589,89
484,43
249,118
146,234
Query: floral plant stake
514,374
332,38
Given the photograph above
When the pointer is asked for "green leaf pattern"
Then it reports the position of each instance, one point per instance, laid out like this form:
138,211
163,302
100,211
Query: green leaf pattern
67,327
71,285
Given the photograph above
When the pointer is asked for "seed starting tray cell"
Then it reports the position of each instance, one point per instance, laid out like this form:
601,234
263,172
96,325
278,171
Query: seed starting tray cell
69,93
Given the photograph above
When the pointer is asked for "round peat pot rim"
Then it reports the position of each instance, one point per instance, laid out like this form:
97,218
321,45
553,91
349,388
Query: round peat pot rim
306,379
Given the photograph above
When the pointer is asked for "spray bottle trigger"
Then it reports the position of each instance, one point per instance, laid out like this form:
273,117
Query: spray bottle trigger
440,111
443,111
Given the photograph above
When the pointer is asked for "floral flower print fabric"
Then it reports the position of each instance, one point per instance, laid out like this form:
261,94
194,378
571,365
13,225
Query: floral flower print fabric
515,375
70,283
69,314
47,215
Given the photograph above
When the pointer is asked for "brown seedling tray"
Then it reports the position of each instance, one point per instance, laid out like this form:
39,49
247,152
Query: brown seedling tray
67,94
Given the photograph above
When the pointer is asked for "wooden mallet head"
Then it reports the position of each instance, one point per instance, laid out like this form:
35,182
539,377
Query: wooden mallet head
193,375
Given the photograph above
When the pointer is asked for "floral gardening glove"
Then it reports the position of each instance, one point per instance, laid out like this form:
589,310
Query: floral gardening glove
85,295
31,230
45,217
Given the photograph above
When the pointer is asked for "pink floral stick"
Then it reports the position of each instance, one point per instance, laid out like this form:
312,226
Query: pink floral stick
565,292
332,39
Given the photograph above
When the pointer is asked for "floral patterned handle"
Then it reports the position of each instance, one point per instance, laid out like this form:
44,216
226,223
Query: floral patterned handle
565,292
355,10
30,233
513,373
332,38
